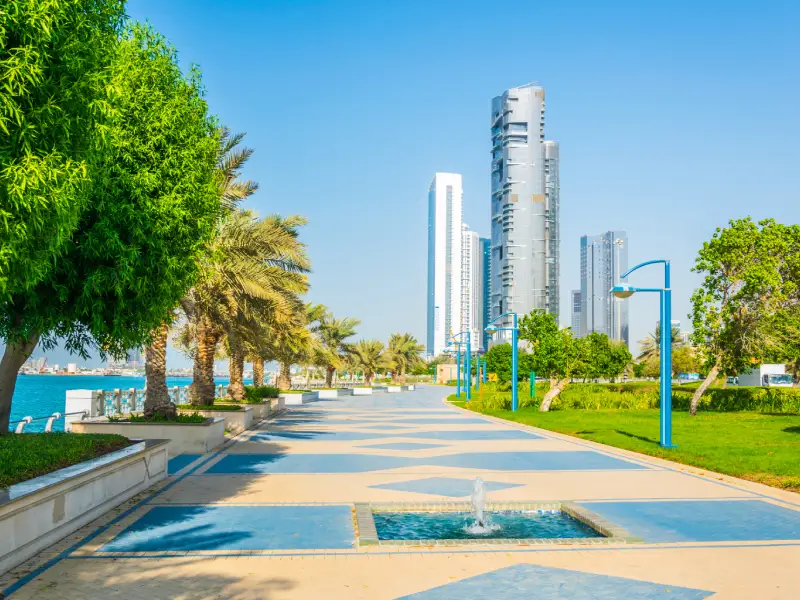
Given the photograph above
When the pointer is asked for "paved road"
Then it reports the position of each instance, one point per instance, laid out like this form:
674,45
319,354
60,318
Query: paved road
270,516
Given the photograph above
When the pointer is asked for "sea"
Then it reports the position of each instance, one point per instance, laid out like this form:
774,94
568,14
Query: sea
43,395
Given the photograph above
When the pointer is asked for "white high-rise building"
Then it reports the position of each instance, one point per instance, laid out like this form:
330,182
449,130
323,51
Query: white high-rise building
472,292
444,260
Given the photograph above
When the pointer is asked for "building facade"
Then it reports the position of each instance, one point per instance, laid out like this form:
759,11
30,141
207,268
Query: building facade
524,205
575,310
486,290
444,300
471,287
603,258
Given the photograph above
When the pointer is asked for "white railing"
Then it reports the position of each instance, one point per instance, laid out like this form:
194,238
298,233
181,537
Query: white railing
113,403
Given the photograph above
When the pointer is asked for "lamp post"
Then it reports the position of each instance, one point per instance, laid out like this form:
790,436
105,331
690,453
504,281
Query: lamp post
513,329
624,290
467,364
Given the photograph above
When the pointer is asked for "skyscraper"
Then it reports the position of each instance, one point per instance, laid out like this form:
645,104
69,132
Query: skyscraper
603,258
444,260
486,289
524,206
471,286
575,306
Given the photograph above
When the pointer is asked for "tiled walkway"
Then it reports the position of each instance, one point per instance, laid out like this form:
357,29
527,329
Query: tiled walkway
270,517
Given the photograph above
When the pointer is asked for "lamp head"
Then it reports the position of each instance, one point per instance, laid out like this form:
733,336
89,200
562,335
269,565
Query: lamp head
623,290
491,329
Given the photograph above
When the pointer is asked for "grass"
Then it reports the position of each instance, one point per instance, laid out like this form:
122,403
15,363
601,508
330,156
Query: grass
295,391
30,455
759,447
193,418
221,407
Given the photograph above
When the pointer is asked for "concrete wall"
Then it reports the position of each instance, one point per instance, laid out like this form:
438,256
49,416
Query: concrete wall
191,438
39,512
235,421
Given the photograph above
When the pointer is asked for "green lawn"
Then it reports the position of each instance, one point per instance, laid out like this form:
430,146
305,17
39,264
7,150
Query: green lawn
756,446
29,455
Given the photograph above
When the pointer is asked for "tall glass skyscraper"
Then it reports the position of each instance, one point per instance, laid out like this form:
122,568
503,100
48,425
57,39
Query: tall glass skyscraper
604,258
524,205
486,288
444,260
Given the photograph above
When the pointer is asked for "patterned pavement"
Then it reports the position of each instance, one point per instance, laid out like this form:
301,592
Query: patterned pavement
269,516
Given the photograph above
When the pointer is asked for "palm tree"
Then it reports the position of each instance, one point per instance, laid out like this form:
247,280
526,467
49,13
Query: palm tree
404,351
333,332
369,356
651,345
230,159
292,340
258,268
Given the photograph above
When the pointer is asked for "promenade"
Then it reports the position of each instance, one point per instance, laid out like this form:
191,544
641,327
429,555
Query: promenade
270,516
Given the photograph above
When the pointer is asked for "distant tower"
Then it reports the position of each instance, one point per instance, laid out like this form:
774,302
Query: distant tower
486,290
604,258
472,293
524,205
444,260
575,306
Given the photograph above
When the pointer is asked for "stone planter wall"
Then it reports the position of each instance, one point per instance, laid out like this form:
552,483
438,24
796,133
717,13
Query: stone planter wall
338,393
189,438
295,399
363,391
39,512
235,421
277,405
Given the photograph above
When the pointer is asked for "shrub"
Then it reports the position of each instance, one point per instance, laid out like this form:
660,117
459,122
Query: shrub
222,407
257,394
193,418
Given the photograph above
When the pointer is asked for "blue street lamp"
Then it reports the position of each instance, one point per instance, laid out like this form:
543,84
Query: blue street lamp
513,329
448,348
624,290
467,364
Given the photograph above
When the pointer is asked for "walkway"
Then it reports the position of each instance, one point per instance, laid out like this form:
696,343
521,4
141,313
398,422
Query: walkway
270,516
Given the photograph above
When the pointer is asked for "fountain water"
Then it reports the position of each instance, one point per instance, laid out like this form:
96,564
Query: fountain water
482,525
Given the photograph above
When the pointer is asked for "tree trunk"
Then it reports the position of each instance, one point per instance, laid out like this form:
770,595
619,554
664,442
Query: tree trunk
329,372
285,377
368,378
157,402
308,377
236,371
796,373
202,388
712,375
258,372
14,357
553,393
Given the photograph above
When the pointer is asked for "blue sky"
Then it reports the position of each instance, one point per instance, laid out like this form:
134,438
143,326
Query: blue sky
673,117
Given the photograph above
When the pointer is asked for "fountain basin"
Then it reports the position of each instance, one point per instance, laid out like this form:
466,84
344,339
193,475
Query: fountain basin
514,523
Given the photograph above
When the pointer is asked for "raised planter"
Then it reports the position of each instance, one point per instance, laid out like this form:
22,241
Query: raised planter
260,411
337,393
362,391
236,421
37,513
296,399
410,387
188,438
396,388
277,405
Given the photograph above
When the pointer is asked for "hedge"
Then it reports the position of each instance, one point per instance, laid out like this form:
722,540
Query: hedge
638,396
257,394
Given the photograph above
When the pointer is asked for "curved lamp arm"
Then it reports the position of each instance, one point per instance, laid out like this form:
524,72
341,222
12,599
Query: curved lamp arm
650,262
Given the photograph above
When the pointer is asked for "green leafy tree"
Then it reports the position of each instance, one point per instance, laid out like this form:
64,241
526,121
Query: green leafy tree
638,369
603,357
137,245
749,274
556,354
55,82
684,360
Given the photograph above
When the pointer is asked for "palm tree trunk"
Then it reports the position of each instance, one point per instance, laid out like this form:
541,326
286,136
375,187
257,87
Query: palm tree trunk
14,357
236,370
308,377
258,372
712,375
329,372
202,388
157,402
368,375
285,377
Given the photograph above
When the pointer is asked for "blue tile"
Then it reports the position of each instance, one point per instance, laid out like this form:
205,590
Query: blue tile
382,426
443,486
363,463
492,434
180,461
534,582
443,421
174,528
702,521
328,436
405,446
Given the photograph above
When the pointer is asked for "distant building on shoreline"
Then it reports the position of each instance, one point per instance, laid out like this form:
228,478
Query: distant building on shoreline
604,258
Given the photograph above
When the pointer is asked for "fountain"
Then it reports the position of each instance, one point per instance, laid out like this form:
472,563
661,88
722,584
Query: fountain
481,525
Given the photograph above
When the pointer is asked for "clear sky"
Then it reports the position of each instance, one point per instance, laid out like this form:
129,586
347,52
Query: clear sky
673,117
